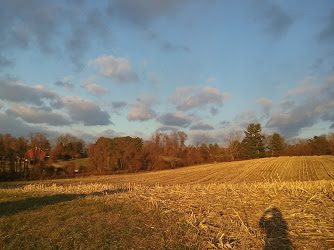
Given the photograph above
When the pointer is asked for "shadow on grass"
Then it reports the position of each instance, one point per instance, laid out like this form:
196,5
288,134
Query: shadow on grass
276,230
14,207
110,191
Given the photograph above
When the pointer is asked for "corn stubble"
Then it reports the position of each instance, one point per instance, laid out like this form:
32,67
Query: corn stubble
289,204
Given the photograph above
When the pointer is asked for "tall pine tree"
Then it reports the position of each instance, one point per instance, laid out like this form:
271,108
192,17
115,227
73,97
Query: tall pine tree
253,142
276,144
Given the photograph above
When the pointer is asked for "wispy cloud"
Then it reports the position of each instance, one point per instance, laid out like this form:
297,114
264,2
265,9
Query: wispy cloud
175,119
78,109
143,13
85,111
92,87
197,97
202,126
142,109
22,93
274,20
116,68
310,104
266,105
65,83
327,33
16,127
35,115
39,25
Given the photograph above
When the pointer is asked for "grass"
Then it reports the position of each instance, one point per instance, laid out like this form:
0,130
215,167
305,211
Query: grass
289,205
78,162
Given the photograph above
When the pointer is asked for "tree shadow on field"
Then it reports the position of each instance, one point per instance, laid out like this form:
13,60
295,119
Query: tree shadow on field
276,230
110,191
14,207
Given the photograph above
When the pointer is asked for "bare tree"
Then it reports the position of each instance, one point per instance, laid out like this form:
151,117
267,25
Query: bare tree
331,142
234,144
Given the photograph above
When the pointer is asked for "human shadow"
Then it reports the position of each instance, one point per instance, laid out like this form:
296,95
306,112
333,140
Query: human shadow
31,203
276,230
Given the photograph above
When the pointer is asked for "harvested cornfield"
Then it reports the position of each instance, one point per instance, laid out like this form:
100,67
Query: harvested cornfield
296,215
232,215
272,203
298,168
303,168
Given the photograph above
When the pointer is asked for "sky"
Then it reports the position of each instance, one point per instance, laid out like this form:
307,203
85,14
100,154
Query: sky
136,67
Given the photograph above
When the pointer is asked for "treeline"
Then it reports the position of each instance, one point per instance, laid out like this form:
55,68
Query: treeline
258,145
13,164
162,151
133,154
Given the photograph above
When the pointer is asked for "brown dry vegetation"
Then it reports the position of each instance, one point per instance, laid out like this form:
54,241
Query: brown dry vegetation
287,168
226,205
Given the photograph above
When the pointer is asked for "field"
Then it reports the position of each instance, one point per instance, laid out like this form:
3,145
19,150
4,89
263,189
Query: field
77,162
276,203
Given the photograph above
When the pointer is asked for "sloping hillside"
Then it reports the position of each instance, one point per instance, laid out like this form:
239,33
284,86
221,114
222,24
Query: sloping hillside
299,168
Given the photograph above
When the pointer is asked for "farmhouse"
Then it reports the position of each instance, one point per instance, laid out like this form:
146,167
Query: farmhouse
34,156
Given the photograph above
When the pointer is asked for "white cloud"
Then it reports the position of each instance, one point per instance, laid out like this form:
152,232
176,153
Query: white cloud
82,110
306,86
96,89
242,120
21,93
181,92
78,109
311,103
92,87
16,127
39,115
265,104
196,97
116,68
142,110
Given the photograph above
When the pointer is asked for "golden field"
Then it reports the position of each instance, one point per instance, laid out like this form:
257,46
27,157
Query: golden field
284,202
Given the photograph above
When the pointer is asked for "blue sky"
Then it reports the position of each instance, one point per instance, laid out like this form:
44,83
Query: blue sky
134,67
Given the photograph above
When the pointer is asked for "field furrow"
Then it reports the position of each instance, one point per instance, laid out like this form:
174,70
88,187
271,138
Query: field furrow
302,168
227,205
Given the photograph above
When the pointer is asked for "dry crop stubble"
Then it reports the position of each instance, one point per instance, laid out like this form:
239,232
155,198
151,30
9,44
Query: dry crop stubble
228,215
225,208
223,215
300,168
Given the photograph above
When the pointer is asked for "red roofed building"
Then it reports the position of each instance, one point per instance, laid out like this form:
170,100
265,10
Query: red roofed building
34,155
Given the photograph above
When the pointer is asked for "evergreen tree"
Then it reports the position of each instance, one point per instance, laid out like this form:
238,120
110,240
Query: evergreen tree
276,144
253,142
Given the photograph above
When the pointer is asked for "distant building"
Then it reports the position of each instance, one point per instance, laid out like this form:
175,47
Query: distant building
34,155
